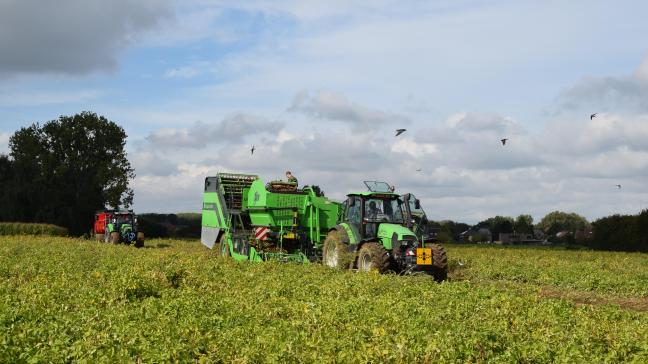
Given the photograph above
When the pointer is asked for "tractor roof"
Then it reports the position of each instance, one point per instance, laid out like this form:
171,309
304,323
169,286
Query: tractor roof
374,194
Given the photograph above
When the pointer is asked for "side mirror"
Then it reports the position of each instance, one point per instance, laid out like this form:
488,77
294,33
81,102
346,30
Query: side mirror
417,204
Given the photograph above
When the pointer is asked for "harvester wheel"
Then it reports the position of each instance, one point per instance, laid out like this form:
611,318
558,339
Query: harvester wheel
139,243
100,238
439,269
223,246
373,257
114,237
335,252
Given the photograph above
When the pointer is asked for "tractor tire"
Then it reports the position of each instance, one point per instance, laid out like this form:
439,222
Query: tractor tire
114,237
335,253
439,269
373,257
139,243
223,247
100,238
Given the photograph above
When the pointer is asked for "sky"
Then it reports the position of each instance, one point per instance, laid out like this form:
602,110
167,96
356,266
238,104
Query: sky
320,87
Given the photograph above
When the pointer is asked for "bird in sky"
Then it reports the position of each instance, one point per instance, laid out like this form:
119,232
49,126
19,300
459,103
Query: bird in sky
420,169
400,131
618,186
504,141
593,115
252,150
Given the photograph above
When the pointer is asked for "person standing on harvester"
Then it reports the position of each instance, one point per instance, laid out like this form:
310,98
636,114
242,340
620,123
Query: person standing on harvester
291,178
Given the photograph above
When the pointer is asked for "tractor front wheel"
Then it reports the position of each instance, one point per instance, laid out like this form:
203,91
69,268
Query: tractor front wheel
373,257
114,237
335,252
139,243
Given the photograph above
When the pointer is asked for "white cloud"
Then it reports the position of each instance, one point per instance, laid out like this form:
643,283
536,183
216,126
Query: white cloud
147,163
182,72
627,93
231,129
72,37
469,179
641,73
335,106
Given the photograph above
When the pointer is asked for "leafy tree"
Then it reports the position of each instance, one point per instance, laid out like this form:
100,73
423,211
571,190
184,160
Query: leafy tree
497,225
621,232
68,168
523,224
557,221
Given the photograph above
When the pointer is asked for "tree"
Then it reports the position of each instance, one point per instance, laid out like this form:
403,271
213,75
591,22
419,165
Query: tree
497,225
523,224
557,221
67,169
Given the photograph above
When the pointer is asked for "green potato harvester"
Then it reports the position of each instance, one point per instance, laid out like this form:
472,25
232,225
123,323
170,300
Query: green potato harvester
248,220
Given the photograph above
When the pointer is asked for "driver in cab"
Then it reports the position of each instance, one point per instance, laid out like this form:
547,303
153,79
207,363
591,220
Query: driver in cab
373,211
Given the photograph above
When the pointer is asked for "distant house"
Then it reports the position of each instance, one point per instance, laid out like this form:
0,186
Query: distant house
517,238
474,235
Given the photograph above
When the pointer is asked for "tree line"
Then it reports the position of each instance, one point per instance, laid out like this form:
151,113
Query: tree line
614,233
63,171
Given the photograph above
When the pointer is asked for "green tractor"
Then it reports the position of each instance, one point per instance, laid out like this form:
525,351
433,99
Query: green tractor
118,227
373,234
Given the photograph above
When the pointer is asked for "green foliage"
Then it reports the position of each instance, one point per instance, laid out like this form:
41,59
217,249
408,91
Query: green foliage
65,170
523,224
621,232
557,221
18,228
65,300
497,225
182,225
449,230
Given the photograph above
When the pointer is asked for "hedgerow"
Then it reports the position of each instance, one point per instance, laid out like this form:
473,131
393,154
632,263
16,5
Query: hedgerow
20,228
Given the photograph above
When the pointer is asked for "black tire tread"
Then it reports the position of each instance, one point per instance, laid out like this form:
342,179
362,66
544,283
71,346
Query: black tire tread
378,254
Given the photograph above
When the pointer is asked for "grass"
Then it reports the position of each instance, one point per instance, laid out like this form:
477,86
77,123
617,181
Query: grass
63,299
21,228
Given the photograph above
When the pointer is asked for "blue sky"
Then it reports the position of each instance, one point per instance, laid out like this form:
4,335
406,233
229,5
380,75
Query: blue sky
319,88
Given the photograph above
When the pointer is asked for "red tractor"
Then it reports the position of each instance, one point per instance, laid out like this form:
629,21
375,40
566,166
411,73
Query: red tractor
112,226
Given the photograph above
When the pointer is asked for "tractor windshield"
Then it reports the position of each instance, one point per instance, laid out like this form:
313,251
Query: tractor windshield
383,210
123,219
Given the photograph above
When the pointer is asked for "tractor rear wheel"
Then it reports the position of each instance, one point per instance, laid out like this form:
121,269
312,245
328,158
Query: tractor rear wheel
139,243
373,257
99,238
114,237
335,253
439,268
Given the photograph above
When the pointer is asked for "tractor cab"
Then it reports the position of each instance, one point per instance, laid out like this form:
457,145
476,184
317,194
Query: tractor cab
365,212
416,219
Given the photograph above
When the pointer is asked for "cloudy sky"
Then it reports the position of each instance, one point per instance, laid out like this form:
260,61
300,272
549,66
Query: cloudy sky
319,88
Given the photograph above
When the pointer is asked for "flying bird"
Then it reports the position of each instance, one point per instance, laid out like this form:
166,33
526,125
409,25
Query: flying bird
618,186
252,150
400,131
593,115
504,141
418,170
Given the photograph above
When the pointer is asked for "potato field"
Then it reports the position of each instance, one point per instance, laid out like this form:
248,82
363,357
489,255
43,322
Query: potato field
64,299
